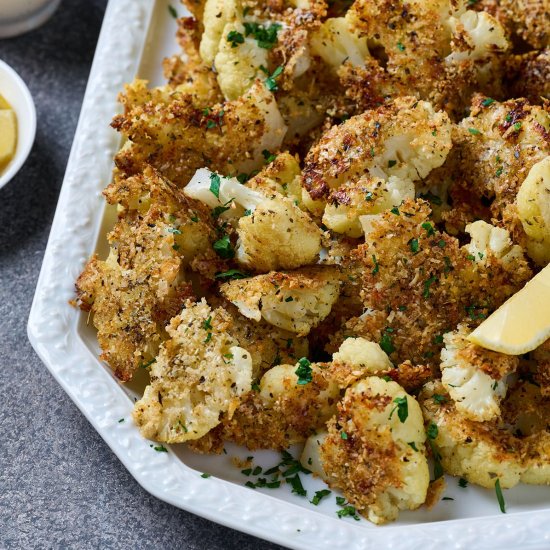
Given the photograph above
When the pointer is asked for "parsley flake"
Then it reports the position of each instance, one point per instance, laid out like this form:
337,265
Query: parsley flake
160,449
395,211
223,248
427,284
391,163
500,496
487,101
297,487
235,38
268,157
413,245
402,408
386,343
343,435
271,80
231,274
412,445
266,36
474,131
400,47
205,475
304,372
215,182
439,399
319,495
376,267
429,228
463,483
172,11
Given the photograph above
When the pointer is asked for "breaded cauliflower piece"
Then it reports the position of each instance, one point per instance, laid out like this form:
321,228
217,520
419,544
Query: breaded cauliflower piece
498,145
405,138
170,132
359,352
512,448
528,76
142,284
418,282
337,42
288,408
434,49
374,450
534,211
354,203
199,375
186,72
274,233
474,377
295,301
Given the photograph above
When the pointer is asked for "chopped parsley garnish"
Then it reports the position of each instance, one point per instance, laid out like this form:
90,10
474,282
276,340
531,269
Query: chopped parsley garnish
413,245
147,364
215,182
243,178
447,498
438,339
297,487
412,445
268,157
439,399
247,212
386,343
255,387
471,257
391,163
303,372
207,325
441,243
471,311
223,248
174,231
172,11
395,211
517,126
500,496
400,47
289,299
429,228
231,274
508,118
343,435
427,284
235,38
402,408
257,471
194,218
463,483
487,101
368,196
473,131
205,475
219,210
121,420
320,495
432,430
429,196
347,510
499,171
271,80
266,36
376,267
160,449
208,338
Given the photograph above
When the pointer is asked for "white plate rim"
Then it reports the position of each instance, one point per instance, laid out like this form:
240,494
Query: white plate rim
52,331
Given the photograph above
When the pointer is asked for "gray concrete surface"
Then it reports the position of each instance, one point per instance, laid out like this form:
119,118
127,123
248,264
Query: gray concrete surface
60,485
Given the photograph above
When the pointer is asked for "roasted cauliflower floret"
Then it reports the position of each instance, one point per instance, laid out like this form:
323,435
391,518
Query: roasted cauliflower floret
476,35
512,448
294,401
142,284
474,377
217,14
175,136
362,200
198,376
296,301
498,145
490,242
337,42
534,211
274,233
359,352
417,282
374,450
405,139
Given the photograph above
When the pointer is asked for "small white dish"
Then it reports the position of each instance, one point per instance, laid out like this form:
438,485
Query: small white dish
17,94
21,16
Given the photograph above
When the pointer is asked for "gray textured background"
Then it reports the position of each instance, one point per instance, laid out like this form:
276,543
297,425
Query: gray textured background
60,485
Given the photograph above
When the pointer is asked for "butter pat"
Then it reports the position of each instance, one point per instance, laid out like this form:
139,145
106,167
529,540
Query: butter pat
8,133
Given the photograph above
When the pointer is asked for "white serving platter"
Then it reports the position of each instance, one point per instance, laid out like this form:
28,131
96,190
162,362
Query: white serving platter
135,36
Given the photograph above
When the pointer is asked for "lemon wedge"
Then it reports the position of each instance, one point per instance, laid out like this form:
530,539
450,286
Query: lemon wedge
8,135
522,323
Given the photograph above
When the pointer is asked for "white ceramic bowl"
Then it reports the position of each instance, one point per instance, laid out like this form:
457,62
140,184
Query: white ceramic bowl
18,96
20,16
